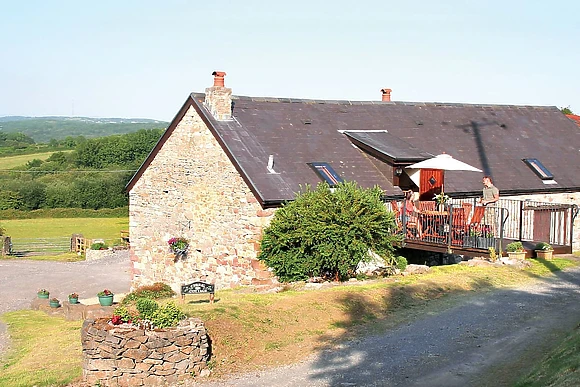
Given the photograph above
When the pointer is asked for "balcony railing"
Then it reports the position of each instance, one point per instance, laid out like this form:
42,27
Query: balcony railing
462,223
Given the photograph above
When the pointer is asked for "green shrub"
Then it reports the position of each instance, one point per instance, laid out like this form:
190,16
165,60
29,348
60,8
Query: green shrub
327,233
156,291
492,254
147,308
167,315
124,314
99,246
401,263
515,247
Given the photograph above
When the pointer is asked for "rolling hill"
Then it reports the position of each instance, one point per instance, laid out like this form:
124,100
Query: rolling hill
42,129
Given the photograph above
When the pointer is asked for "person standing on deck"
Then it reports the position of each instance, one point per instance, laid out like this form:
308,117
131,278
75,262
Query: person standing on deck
490,192
490,196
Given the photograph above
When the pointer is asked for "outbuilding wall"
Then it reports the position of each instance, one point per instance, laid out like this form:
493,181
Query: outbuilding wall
562,198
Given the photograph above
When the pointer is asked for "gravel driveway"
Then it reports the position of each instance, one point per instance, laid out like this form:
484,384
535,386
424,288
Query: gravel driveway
489,339
21,279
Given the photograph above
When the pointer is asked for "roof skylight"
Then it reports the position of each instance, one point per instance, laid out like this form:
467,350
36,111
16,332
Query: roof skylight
325,171
539,169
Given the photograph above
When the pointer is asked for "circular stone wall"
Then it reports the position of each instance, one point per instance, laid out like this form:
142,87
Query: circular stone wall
128,356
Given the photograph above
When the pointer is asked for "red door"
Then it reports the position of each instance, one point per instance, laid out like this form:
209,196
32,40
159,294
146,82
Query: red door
431,183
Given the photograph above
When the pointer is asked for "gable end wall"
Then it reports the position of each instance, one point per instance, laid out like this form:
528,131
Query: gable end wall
192,190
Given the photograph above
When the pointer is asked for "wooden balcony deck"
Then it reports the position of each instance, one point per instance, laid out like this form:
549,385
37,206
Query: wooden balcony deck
463,228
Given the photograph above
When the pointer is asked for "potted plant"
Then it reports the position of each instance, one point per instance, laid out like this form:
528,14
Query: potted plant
54,303
43,293
178,246
516,250
105,297
544,250
73,298
441,199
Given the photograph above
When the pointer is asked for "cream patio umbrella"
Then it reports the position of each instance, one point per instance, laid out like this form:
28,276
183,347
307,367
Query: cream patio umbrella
444,162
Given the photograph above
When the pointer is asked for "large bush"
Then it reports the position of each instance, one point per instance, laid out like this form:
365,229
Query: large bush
327,233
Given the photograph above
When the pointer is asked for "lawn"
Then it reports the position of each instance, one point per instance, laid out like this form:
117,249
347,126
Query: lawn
250,331
50,237
92,228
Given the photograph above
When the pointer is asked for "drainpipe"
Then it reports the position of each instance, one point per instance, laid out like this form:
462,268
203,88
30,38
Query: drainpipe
574,212
521,219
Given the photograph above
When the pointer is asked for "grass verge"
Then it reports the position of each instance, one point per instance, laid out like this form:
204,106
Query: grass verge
561,367
47,350
251,331
64,257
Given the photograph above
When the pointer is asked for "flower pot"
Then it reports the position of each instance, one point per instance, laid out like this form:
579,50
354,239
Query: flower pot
106,300
73,300
517,254
43,295
54,304
544,254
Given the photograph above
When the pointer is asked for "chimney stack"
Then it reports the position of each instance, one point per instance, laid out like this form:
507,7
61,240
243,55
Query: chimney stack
218,99
218,78
386,95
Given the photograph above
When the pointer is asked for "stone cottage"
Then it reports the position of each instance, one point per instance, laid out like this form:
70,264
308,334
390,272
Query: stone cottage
226,162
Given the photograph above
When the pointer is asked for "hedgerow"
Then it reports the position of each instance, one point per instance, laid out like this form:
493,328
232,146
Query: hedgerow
326,233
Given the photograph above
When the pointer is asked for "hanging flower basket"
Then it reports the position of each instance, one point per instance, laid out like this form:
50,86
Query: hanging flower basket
178,246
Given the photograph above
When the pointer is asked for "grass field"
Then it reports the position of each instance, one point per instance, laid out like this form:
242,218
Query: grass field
92,228
16,161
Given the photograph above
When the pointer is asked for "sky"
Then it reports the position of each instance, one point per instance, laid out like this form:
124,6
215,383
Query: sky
141,59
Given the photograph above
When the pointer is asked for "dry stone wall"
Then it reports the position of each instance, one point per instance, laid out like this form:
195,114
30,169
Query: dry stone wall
192,190
128,356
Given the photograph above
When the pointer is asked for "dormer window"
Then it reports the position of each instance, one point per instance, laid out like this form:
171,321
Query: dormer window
325,171
539,169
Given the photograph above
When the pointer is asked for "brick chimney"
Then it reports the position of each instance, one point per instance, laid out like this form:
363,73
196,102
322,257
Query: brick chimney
386,95
218,99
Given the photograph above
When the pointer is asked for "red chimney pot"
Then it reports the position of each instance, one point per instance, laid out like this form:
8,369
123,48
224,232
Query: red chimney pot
386,94
218,80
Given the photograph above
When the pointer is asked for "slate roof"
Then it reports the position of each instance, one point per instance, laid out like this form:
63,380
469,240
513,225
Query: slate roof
494,138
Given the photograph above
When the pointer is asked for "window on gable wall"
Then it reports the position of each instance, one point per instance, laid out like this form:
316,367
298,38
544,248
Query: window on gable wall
325,171
539,169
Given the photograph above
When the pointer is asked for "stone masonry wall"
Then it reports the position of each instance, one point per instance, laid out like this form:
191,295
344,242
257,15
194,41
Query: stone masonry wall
192,190
564,198
127,356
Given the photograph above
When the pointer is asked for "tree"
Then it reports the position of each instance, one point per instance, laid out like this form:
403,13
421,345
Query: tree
566,110
32,194
327,233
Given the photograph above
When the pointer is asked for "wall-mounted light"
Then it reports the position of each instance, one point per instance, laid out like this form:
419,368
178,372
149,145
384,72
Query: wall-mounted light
398,171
